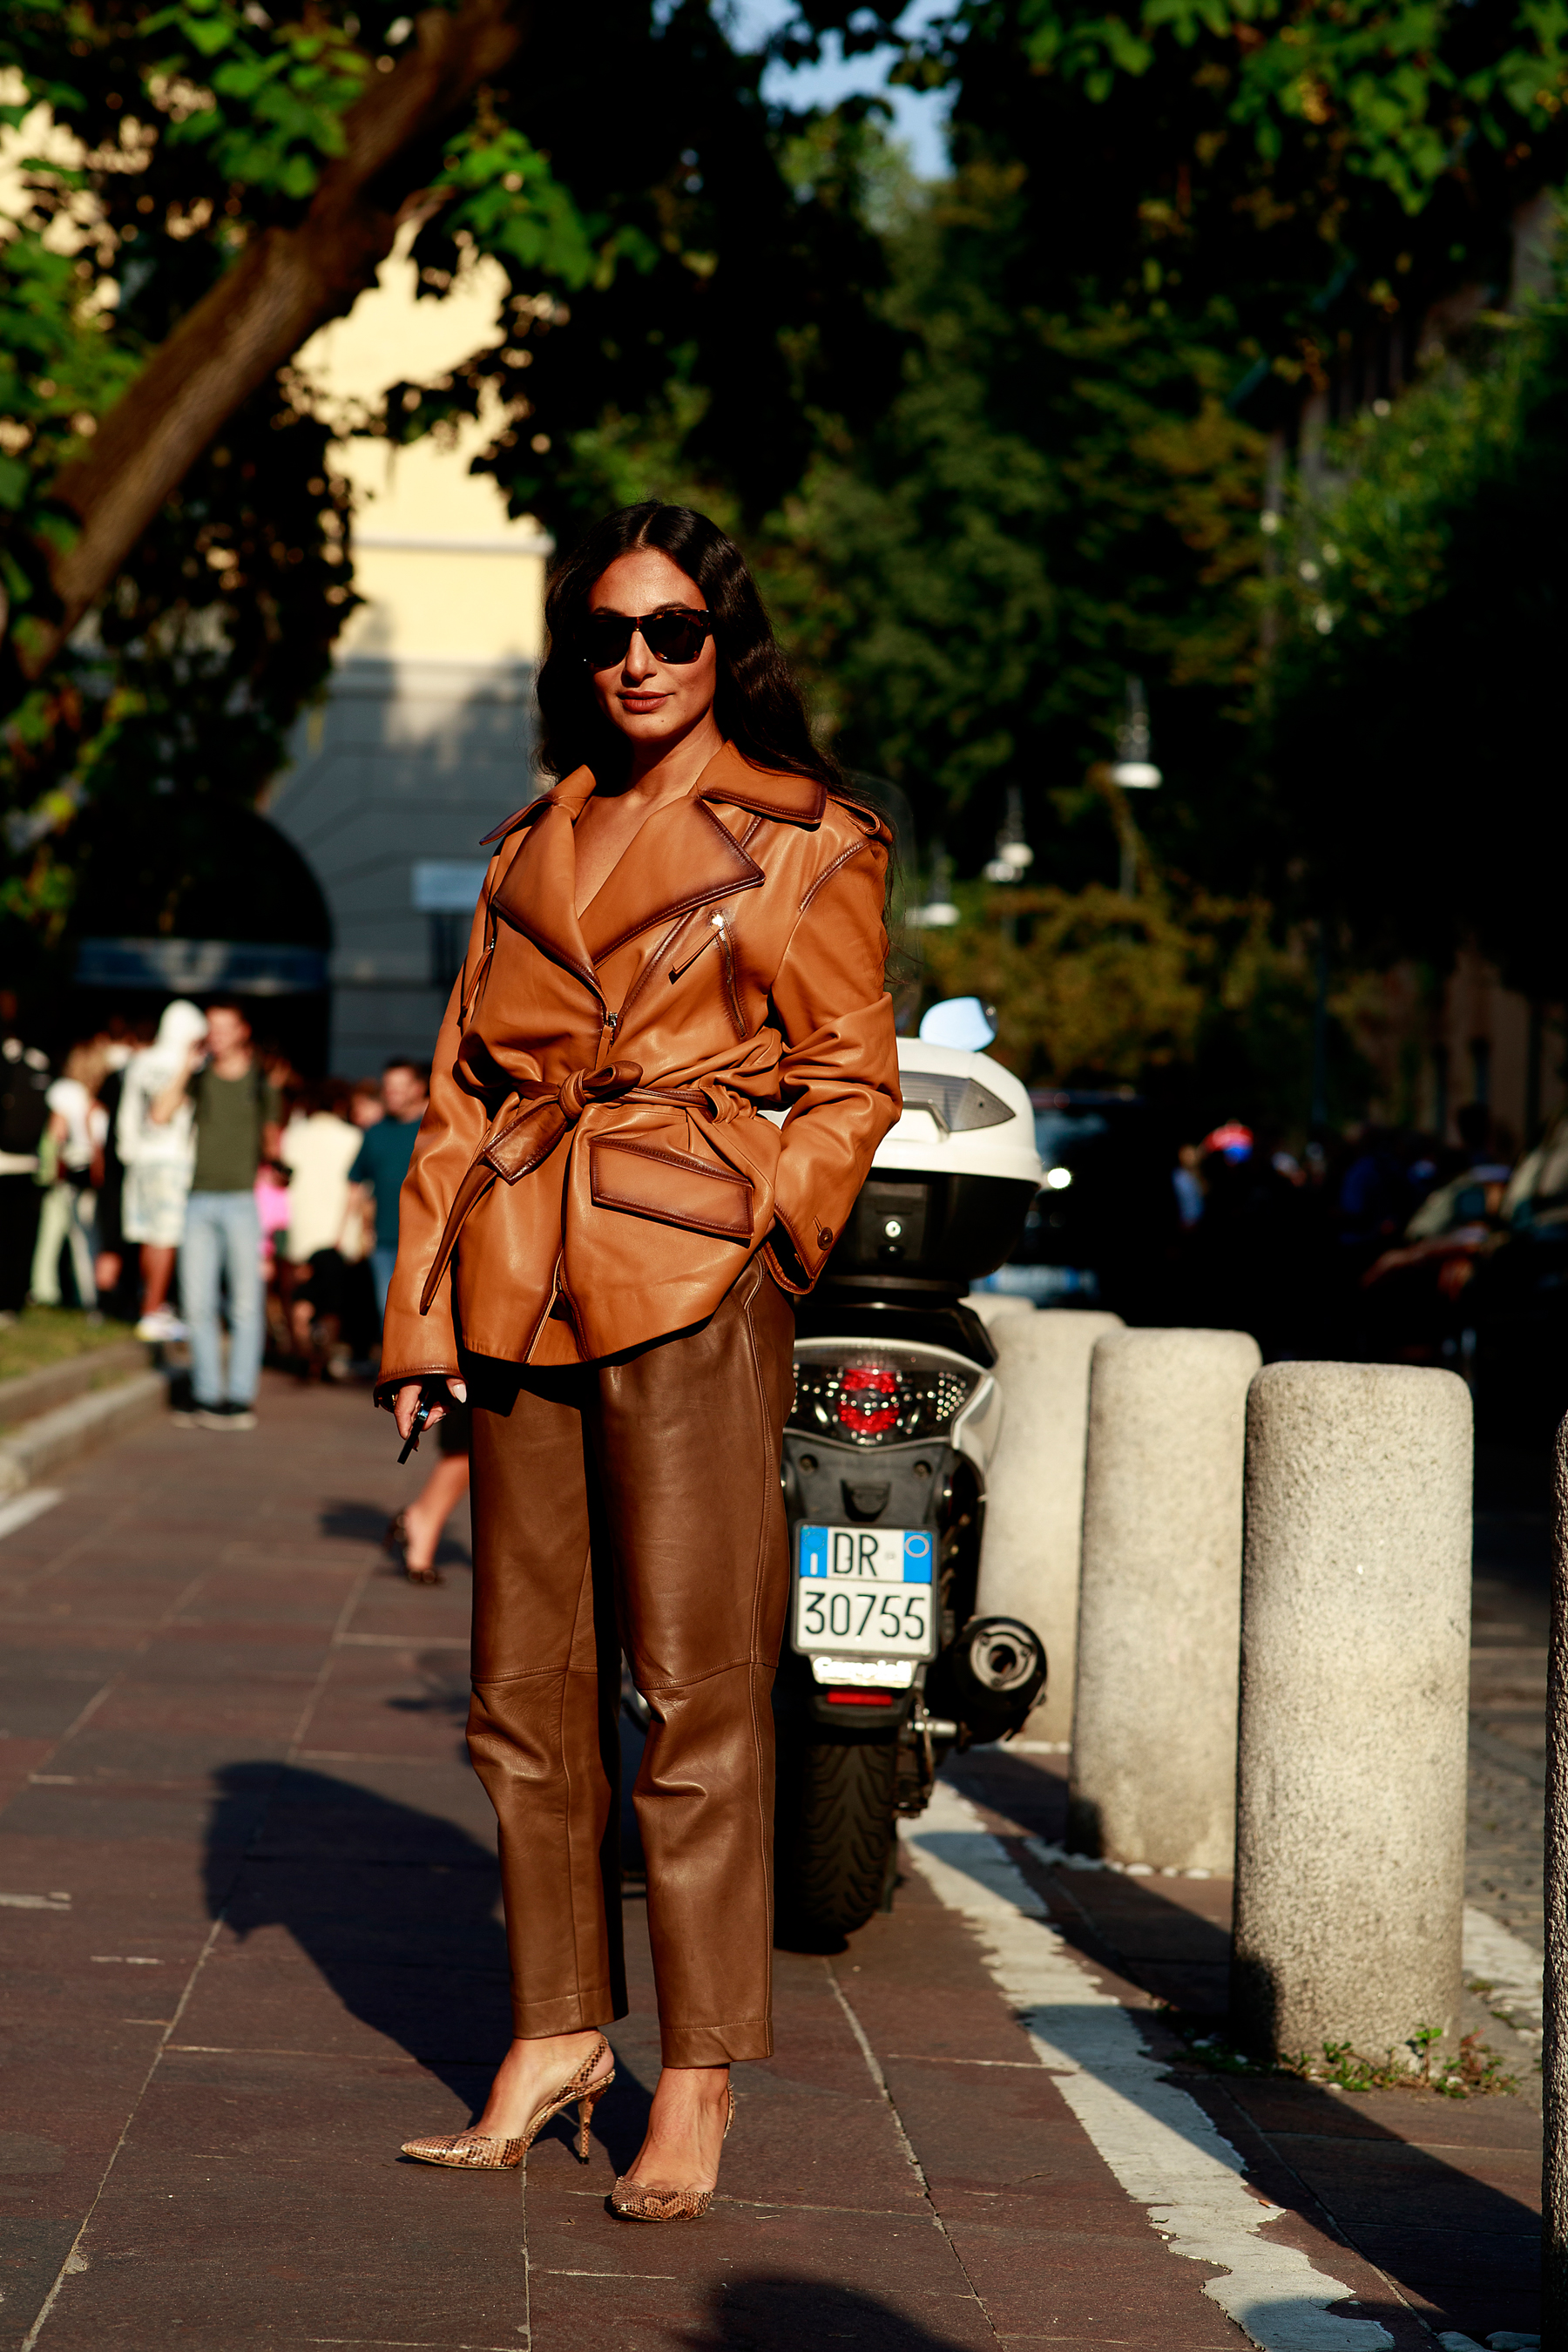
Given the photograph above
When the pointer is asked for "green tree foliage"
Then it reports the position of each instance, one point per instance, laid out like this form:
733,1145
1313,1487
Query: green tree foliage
1187,995
744,316
1055,498
1325,165
1169,225
1414,739
661,269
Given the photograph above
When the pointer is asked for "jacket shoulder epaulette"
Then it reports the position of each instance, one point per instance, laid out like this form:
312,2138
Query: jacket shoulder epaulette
518,816
871,819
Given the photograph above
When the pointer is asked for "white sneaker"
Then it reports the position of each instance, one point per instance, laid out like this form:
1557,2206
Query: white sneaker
162,1324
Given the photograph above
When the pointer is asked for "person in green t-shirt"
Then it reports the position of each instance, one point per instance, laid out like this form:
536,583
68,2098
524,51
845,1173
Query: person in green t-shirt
237,1113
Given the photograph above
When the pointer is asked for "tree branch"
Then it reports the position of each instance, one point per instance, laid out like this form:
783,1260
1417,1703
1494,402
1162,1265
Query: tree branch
275,296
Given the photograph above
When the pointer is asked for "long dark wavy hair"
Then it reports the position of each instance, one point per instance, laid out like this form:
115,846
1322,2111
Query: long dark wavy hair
757,705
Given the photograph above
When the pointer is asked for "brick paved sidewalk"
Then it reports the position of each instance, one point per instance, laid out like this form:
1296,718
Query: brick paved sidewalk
247,1905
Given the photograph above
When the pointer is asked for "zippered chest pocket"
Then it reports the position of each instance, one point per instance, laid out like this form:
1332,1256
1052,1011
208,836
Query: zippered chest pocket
718,933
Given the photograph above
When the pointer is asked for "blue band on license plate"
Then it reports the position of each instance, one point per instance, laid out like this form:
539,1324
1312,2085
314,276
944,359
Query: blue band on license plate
867,1555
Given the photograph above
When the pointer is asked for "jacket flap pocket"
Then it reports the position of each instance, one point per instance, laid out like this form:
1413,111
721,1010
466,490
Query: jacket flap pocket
650,1181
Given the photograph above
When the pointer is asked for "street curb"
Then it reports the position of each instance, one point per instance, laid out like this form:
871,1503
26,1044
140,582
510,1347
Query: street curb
42,1444
27,1395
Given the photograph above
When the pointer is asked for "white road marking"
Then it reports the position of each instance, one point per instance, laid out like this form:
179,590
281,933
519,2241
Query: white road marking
34,1902
1506,1963
1057,1857
30,1505
1157,2140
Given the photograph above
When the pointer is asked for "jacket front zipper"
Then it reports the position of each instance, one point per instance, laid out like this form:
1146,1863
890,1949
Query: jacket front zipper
467,1013
720,930
730,990
679,970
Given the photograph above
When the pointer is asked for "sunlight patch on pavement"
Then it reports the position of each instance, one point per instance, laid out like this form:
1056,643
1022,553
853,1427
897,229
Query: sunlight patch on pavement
31,1505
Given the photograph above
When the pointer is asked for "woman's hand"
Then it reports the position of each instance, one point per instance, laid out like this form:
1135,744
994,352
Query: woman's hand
407,1405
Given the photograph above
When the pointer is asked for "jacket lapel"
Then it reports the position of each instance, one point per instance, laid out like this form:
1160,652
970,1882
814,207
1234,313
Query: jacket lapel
685,858
681,858
537,894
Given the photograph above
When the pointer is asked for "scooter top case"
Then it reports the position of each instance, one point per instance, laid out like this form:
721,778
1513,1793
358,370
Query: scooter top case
944,1203
896,1410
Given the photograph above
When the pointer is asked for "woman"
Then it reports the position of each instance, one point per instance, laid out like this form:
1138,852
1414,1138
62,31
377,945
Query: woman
158,1157
414,1534
319,1146
79,1126
600,1241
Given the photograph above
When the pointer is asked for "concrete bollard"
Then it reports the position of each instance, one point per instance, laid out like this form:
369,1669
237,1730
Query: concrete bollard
1034,1490
991,1306
1554,2050
1354,1698
1153,1760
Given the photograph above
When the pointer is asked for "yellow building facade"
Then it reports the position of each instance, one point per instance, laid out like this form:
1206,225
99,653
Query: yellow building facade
424,739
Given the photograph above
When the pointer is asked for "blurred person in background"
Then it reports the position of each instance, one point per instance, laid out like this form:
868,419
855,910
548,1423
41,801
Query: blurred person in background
361,1317
237,1109
1187,1185
78,1127
24,1117
158,1156
382,1160
319,1148
119,1043
1375,1196
415,1535
271,1194
365,1106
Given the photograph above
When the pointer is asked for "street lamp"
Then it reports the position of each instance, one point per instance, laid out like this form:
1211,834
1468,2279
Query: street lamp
1013,856
1133,770
939,913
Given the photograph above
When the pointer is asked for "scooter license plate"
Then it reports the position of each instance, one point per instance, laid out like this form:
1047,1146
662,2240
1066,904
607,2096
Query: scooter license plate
864,1592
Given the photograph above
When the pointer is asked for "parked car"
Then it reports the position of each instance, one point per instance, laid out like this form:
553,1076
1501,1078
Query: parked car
1514,1338
1104,1226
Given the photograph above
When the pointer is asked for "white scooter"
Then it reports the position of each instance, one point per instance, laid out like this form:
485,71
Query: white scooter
885,1666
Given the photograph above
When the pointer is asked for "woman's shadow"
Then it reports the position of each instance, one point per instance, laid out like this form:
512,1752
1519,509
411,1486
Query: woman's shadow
397,1908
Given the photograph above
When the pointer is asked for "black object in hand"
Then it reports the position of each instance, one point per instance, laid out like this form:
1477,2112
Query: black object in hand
421,1415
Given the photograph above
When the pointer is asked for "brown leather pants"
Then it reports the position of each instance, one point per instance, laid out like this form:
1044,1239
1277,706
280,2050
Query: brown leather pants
636,1503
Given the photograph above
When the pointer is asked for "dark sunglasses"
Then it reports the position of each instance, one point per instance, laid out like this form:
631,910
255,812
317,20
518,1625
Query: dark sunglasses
676,635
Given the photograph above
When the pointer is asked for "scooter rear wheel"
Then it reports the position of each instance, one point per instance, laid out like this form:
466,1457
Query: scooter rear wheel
835,1832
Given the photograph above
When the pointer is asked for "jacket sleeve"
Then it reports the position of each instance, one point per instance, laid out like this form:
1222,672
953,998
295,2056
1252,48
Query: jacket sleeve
840,1070
415,1347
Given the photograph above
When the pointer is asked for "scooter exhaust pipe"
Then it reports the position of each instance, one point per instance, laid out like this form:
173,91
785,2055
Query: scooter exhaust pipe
990,1678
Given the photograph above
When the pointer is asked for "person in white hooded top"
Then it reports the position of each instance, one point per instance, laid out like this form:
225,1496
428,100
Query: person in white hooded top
158,1157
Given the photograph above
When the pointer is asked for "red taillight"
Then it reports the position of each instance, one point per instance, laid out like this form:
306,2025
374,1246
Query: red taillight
860,1698
869,1402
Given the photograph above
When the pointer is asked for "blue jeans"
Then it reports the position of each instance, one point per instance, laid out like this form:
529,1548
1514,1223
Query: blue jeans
382,1262
223,1237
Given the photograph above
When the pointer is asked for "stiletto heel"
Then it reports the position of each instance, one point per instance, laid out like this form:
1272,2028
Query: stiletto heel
586,2106
634,2202
480,2152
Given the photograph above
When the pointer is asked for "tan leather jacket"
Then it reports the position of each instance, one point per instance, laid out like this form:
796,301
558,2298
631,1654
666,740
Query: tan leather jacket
593,1172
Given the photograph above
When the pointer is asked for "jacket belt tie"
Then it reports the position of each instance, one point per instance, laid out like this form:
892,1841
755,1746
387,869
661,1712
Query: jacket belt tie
532,1122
